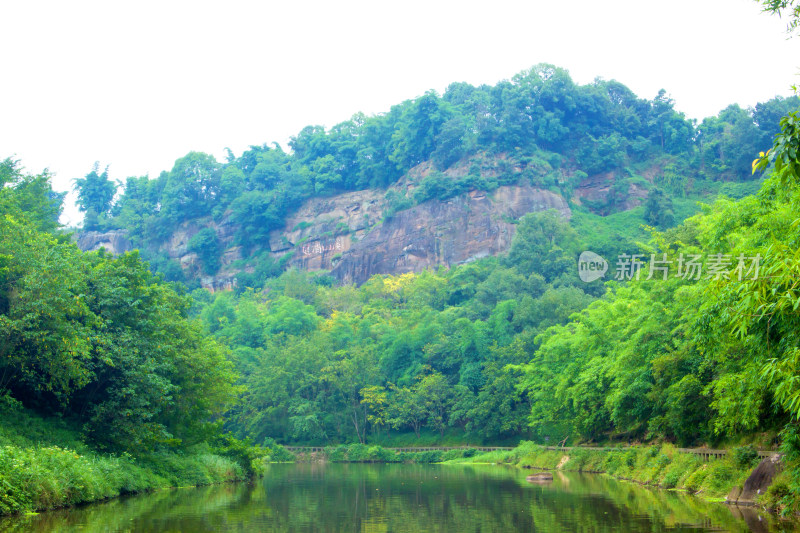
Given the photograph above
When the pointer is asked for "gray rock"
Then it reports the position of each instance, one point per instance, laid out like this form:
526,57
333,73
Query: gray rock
760,479
115,242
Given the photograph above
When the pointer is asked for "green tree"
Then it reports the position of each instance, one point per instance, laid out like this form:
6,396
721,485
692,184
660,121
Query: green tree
406,408
658,209
208,248
28,197
544,244
781,8
437,395
95,196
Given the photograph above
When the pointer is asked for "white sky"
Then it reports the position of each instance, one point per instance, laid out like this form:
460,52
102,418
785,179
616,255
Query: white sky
136,85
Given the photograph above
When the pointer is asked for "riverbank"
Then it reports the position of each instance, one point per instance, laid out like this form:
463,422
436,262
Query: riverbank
656,465
662,465
45,465
363,453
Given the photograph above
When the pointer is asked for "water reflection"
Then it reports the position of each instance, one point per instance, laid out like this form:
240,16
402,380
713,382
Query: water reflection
400,498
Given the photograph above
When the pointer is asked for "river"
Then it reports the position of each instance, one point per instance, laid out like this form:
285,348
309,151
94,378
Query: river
404,498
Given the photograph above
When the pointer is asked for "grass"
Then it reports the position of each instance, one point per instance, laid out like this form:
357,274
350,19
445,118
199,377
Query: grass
45,465
363,453
620,231
660,465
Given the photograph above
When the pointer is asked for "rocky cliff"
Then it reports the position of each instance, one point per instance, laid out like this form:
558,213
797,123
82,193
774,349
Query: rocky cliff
115,242
355,235
449,232
351,235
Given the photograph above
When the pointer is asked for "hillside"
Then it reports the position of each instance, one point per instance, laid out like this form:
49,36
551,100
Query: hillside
438,180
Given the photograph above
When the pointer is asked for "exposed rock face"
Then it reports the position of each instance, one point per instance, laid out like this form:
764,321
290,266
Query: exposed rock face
758,481
347,234
433,233
596,191
177,248
115,242
325,228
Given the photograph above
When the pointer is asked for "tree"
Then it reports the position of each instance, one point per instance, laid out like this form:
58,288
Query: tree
192,187
452,142
95,196
375,399
406,408
101,339
783,7
544,244
28,197
46,326
206,245
437,395
658,209
421,122
347,376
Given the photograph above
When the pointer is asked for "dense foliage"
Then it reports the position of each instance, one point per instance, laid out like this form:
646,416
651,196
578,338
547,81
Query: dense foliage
492,350
97,339
539,126
417,353
44,464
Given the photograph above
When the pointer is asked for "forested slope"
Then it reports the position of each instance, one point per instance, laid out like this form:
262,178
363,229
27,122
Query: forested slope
106,385
598,147
698,345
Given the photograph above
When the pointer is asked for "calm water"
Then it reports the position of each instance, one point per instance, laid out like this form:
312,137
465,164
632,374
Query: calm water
399,498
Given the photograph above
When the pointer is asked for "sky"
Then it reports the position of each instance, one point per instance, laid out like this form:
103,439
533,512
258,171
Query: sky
137,85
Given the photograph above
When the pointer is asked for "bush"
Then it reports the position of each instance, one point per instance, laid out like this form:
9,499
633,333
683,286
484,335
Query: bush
250,458
745,456
696,479
208,248
337,454
277,453
671,480
47,477
778,493
52,476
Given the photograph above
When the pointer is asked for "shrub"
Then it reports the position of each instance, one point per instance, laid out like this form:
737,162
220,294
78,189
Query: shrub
745,456
696,479
336,454
357,453
277,453
630,458
778,493
208,248
250,458
670,480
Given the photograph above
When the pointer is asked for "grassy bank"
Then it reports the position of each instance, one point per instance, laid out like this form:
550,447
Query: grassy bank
363,453
45,465
660,465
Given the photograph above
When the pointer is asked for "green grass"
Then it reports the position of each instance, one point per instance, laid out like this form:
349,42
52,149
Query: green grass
619,232
610,235
44,464
363,453
661,466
